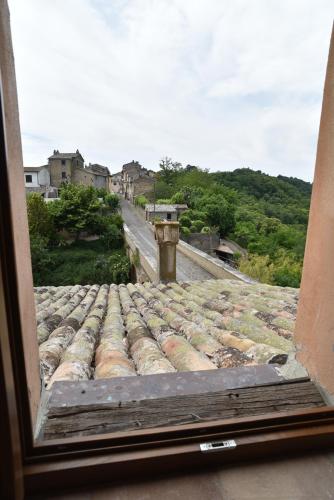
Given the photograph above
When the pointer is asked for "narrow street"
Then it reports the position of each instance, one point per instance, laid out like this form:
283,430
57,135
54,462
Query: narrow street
186,269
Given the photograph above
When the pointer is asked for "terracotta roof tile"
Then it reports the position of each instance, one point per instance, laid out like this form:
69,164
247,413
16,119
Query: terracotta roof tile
127,330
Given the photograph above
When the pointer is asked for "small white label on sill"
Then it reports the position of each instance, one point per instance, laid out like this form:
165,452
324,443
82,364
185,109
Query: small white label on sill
218,446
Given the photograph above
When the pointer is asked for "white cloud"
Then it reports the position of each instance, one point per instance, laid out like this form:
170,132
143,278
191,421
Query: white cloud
217,83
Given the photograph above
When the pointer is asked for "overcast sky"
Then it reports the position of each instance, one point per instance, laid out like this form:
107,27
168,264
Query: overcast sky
221,84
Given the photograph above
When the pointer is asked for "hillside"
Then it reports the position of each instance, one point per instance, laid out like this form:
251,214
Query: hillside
267,215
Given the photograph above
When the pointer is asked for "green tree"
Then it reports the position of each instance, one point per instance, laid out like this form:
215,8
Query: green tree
40,220
112,237
40,258
77,210
168,170
112,201
258,267
178,198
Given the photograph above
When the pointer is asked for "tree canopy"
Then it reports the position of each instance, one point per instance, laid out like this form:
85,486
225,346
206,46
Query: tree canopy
266,215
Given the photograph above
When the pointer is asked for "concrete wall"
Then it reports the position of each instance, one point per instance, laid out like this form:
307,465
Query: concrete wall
142,261
205,242
34,180
44,177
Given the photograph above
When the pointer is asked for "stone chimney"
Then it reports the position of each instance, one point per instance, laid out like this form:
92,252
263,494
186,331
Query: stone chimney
167,236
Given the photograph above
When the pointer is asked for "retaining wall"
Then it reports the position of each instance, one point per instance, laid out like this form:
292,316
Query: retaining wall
144,260
214,266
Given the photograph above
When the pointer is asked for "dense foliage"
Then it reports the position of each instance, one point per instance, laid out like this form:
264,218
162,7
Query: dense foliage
84,263
266,215
141,201
80,210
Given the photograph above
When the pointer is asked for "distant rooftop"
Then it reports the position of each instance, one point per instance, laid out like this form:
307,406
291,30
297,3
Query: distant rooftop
34,169
58,155
107,331
160,208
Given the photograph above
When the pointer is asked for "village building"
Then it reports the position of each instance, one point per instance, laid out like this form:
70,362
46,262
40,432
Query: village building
116,183
170,212
136,181
101,175
225,253
163,212
65,168
180,208
37,180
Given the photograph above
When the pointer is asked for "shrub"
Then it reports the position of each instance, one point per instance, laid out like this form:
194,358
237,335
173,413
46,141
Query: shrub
258,267
164,201
40,258
141,201
112,201
117,220
112,237
178,198
185,231
206,230
40,219
112,269
197,224
185,221
196,215
102,193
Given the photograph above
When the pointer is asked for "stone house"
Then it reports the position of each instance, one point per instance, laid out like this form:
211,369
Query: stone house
116,183
164,212
66,168
69,168
101,175
136,180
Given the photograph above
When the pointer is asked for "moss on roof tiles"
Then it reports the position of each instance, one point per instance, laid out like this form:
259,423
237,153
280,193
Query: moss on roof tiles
116,330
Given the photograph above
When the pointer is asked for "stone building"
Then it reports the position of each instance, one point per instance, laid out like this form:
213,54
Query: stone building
101,175
116,183
70,167
136,180
164,212
66,168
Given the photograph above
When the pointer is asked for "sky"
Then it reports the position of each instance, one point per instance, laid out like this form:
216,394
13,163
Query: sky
221,84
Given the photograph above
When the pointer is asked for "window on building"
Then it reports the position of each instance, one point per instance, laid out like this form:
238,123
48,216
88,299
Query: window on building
28,178
63,162
63,175
169,216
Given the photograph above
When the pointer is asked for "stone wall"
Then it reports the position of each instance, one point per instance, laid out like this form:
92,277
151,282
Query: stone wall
83,176
56,169
205,242
216,267
145,267
142,185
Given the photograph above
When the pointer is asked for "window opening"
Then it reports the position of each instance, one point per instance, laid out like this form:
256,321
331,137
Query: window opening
209,330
